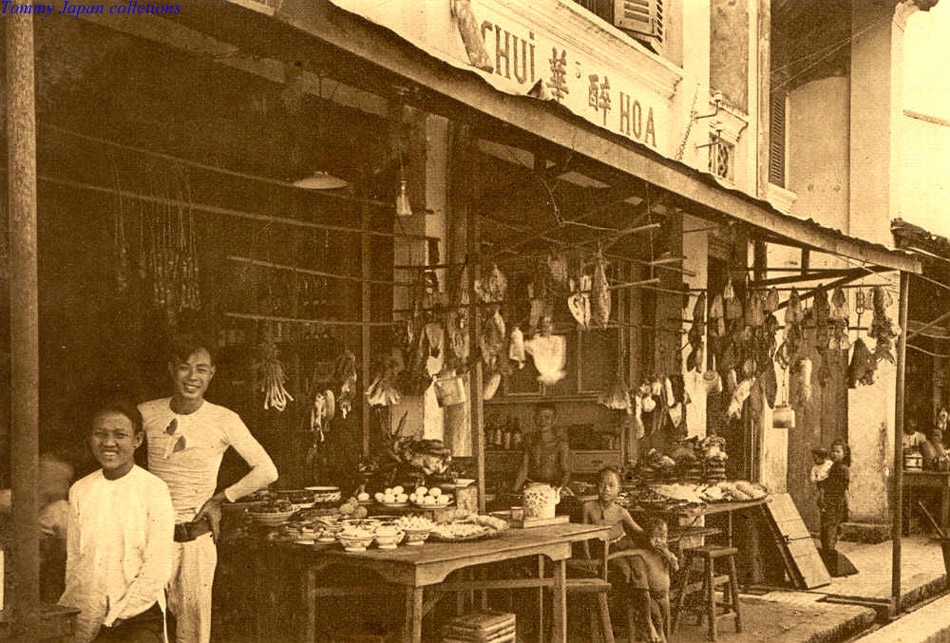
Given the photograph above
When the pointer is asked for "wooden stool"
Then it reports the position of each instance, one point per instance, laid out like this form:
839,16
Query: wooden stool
600,588
708,554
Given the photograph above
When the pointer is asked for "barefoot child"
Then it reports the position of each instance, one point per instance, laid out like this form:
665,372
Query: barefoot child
637,578
834,504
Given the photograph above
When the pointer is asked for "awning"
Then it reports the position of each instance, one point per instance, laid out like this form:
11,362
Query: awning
464,94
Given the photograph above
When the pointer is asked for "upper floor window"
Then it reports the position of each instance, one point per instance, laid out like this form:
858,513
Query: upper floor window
777,120
645,20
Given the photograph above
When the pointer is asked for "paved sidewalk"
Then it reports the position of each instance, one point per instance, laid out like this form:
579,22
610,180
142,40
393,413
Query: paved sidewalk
809,617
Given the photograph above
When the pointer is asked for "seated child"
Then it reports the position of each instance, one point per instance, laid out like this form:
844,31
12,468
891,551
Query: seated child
641,582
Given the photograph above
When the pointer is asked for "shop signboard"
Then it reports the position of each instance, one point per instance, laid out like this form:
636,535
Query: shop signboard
551,50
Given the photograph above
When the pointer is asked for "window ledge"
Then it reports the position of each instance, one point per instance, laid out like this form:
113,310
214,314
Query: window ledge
781,199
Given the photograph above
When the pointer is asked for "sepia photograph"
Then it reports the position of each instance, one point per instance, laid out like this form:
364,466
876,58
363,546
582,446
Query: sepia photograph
498,321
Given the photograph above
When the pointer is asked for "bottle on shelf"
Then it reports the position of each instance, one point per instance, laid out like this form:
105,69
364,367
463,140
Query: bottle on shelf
506,437
517,438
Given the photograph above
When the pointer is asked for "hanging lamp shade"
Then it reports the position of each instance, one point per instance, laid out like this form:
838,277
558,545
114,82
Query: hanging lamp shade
321,181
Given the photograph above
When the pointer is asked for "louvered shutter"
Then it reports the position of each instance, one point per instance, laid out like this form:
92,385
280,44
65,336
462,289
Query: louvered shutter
642,17
777,141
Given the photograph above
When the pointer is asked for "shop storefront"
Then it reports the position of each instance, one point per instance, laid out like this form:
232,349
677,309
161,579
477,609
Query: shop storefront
470,212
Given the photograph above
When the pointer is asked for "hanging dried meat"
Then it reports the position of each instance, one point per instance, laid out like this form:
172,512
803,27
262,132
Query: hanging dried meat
344,372
771,300
733,305
456,330
493,287
492,340
600,295
801,377
769,383
578,303
755,309
699,309
794,312
415,380
883,329
617,395
863,365
382,388
839,305
557,269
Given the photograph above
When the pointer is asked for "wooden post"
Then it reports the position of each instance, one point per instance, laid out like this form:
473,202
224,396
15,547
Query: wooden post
366,317
897,511
24,324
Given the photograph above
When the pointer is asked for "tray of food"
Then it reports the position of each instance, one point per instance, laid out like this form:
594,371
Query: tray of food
472,528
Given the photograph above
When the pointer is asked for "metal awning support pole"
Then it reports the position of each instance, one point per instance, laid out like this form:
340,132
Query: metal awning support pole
24,327
897,511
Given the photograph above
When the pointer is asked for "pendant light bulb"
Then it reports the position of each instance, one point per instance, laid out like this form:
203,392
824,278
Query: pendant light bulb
403,209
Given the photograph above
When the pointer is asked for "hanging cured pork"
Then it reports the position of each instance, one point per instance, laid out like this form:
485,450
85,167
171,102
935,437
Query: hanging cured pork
863,365
801,377
883,329
839,305
600,296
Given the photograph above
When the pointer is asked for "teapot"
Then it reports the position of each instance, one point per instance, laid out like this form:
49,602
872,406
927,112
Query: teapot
540,500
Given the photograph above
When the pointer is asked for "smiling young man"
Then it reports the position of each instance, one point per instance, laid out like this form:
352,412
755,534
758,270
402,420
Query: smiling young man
187,438
119,537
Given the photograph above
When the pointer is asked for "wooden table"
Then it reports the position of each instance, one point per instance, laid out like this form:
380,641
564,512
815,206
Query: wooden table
418,568
939,480
710,509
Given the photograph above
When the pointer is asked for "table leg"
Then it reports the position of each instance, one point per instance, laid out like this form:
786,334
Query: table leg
541,600
310,594
412,625
944,506
559,605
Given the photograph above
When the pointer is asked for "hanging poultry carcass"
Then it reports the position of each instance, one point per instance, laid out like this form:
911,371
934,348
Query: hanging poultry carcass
344,372
492,340
600,295
549,353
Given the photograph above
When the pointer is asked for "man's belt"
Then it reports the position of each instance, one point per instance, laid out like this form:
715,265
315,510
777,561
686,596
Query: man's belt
188,531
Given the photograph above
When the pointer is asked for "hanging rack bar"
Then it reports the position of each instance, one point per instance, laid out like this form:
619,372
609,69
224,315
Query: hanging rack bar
849,273
665,260
431,266
633,284
318,273
213,209
218,170
297,320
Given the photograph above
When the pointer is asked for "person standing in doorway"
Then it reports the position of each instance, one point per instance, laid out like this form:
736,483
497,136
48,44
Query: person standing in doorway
547,456
187,438
834,507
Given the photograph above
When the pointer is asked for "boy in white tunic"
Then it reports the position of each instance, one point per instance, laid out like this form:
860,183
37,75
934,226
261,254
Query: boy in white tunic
187,438
119,537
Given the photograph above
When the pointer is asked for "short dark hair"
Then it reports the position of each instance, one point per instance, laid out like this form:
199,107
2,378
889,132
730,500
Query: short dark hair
609,471
655,522
822,451
184,346
122,406
545,406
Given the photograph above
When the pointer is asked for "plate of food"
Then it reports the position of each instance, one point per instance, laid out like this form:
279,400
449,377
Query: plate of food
426,498
393,497
471,528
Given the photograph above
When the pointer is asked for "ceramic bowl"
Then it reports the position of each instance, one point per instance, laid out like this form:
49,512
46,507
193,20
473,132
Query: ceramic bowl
388,537
270,519
354,542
